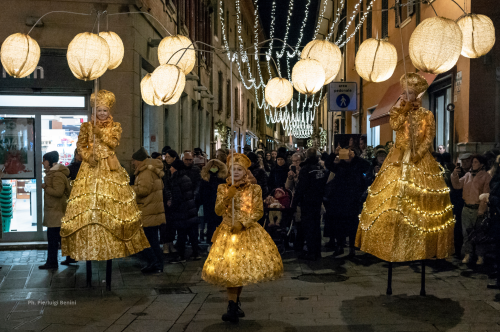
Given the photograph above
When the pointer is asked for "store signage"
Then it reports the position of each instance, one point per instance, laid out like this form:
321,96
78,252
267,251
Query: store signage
342,96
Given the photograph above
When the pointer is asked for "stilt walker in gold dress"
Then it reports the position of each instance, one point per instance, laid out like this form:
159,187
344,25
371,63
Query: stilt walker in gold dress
102,220
242,253
408,215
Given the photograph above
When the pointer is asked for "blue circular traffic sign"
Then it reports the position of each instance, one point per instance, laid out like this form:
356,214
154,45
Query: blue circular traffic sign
343,101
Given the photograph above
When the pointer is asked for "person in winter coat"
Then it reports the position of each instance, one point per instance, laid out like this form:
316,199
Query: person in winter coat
184,213
309,195
167,230
56,193
148,187
259,173
279,173
212,175
192,171
474,183
348,187
494,212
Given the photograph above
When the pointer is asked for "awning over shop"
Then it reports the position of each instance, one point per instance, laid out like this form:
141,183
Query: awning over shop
381,114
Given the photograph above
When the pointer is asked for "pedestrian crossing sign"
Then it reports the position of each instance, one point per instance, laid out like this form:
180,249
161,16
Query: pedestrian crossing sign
342,96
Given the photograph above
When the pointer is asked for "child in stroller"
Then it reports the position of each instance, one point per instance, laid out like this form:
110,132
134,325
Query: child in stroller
279,199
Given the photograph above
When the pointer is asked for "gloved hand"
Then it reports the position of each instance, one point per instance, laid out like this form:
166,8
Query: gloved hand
237,228
231,192
97,131
92,162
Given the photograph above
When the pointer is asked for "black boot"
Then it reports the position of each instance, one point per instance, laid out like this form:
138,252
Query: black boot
232,313
241,313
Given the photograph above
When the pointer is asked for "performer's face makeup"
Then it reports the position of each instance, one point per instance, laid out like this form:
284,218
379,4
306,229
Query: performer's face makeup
239,172
102,112
411,96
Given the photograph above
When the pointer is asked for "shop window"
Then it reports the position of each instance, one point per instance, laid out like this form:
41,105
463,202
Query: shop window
385,19
42,101
372,134
369,24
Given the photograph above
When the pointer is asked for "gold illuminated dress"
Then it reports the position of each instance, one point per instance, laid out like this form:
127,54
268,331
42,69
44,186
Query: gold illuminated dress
102,220
408,215
247,257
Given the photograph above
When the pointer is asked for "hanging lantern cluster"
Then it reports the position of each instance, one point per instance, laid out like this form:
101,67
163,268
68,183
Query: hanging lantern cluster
177,50
20,55
308,76
88,56
376,60
116,48
478,35
279,92
327,54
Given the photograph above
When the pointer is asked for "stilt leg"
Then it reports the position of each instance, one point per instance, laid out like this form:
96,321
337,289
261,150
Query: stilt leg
108,274
89,273
422,288
389,280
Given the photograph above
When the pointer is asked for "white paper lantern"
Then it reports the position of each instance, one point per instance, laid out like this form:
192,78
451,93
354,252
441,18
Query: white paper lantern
279,92
177,50
88,56
148,92
327,53
478,33
168,83
20,55
376,60
116,49
435,45
308,76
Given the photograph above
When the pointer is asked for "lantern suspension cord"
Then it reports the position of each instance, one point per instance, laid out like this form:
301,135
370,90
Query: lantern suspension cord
432,6
56,11
143,14
460,7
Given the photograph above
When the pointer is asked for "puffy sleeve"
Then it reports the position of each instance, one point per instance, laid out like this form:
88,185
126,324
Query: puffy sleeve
398,117
144,184
83,145
112,137
221,202
429,133
59,186
257,210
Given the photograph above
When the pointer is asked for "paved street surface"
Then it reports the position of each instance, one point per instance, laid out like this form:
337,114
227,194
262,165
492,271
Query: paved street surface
329,295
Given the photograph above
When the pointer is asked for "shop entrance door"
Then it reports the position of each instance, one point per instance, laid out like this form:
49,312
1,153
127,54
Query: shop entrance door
31,126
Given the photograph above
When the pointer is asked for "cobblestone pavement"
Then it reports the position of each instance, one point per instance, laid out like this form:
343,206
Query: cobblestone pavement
334,294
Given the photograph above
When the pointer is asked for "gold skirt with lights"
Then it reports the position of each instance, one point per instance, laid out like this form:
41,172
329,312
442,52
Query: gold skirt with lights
102,220
408,214
242,259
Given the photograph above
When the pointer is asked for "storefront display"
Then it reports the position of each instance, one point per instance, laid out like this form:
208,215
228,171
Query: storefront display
17,155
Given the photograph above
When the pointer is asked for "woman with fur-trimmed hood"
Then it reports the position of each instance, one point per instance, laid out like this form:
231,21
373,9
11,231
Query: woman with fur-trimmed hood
212,174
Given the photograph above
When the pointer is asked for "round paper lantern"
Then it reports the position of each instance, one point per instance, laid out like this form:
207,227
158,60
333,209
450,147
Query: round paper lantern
168,83
478,35
435,45
20,55
308,76
376,60
148,92
327,53
116,49
173,48
88,56
279,92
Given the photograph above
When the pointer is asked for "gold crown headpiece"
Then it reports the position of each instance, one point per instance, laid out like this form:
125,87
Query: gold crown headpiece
104,98
239,159
415,82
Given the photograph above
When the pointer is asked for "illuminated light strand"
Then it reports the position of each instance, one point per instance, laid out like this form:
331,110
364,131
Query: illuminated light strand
332,27
104,179
415,207
105,196
354,13
360,24
419,170
320,19
412,184
135,218
279,55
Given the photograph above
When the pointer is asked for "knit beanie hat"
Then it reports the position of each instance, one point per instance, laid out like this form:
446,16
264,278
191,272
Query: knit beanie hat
281,155
177,165
52,157
140,155
253,157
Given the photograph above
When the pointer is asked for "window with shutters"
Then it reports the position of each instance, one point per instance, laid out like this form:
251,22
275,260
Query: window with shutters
385,18
357,37
216,18
247,110
369,23
228,98
220,91
237,111
251,116
417,12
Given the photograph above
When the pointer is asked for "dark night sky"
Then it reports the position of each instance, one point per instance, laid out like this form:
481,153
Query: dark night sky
298,14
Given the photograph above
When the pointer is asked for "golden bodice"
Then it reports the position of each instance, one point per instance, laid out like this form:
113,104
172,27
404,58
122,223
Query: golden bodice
248,205
105,145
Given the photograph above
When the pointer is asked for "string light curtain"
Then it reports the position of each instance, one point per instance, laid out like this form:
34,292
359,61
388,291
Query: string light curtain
376,60
177,50
478,35
168,83
20,55
328,54
308,76
435,45
88,56
116,49
279,92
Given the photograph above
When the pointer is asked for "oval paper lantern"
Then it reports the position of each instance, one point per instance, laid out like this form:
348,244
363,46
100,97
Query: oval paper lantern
435,45
177,50
116,49
279,92
327,53
88,56
148,92
168,83
20,55
308,76
376,60
478,35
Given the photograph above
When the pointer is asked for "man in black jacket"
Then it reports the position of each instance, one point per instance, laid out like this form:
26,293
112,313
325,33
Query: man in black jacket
258,173
183,212
309,195
191,170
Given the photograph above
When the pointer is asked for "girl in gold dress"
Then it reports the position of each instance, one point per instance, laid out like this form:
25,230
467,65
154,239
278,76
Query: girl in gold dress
408,215
102,220
242,253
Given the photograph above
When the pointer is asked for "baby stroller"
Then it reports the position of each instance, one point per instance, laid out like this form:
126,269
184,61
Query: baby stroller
283,233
